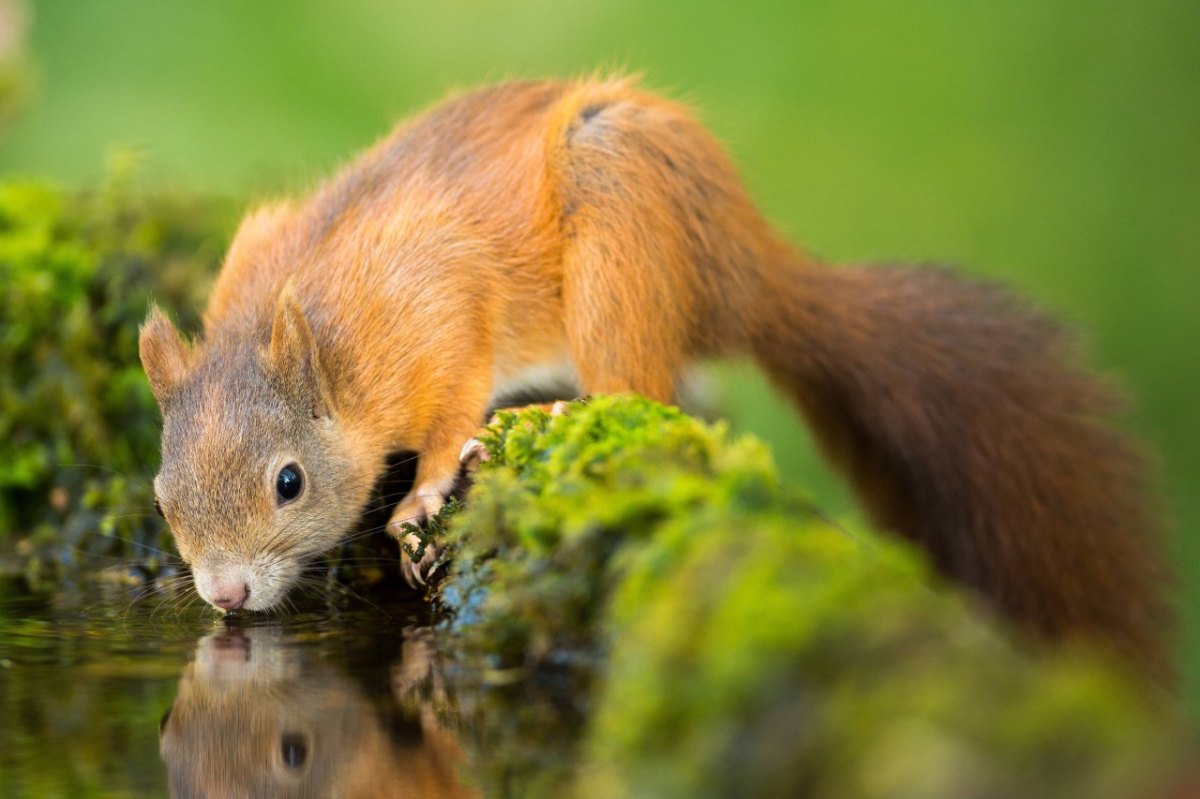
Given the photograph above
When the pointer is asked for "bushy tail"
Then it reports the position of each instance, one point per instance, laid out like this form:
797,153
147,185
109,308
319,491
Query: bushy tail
964,424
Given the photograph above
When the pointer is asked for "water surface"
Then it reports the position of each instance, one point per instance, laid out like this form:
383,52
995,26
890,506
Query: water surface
104,697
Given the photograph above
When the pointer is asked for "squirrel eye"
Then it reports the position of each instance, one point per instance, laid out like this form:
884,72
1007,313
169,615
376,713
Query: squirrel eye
158,508
288,484
294,750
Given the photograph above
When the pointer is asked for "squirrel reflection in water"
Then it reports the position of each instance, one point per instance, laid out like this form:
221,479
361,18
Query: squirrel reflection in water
257,716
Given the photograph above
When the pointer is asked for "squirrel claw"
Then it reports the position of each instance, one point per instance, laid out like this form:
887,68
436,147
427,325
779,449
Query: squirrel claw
415,573
472,454
412,575
416,510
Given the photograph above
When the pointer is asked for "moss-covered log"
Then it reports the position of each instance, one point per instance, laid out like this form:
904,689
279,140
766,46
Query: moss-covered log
738,644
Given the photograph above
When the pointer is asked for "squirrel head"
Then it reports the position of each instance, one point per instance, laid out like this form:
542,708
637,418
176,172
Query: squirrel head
257,475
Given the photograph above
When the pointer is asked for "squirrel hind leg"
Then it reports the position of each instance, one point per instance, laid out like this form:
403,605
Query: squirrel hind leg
616,345
634,300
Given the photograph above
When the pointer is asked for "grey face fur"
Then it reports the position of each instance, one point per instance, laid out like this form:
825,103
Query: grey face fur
234,414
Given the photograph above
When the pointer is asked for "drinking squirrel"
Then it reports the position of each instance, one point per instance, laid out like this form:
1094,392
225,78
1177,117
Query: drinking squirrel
592,223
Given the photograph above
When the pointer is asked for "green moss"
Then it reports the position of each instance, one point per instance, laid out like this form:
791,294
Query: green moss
78,426
734,643
572,494
828,667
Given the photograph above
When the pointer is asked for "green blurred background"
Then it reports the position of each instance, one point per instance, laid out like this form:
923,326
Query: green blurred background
1051,144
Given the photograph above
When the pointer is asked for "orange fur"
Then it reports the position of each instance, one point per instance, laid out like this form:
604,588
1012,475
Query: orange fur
537,222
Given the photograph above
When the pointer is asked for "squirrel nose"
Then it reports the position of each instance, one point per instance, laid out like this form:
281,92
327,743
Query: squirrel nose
222,585
232,597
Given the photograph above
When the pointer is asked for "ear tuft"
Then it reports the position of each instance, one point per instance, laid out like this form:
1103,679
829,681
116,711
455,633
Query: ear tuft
294,355
163,353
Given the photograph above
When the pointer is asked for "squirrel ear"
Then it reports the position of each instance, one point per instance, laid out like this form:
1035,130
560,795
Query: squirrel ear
163,353
293,355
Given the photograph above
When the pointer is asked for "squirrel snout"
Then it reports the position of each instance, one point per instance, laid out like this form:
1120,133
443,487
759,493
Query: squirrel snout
229,591
232,596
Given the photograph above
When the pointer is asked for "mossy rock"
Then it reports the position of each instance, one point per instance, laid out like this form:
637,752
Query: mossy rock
736,643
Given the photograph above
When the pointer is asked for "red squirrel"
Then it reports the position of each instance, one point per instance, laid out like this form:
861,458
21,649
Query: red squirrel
592,223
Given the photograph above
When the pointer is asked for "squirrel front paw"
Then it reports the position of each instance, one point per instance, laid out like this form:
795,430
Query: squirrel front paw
418,553
416,572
